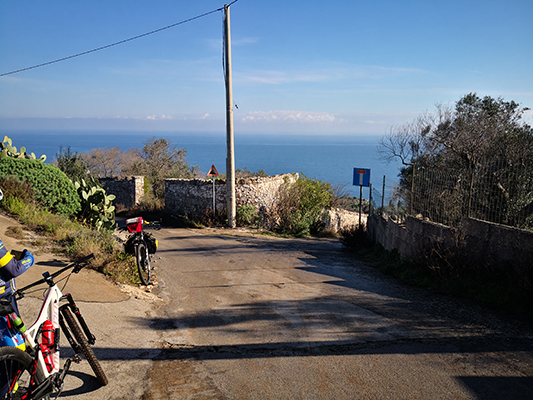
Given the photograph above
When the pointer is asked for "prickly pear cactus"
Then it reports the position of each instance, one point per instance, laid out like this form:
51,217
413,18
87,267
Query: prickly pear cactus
8,150
97,209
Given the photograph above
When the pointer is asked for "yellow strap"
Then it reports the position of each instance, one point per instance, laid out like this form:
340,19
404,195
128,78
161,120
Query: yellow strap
5,259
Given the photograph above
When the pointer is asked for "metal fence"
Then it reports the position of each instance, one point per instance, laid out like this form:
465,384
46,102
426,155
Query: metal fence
494,192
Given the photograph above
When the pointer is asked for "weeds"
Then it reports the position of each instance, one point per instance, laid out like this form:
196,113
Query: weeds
247,216
449,271
356,239
75,240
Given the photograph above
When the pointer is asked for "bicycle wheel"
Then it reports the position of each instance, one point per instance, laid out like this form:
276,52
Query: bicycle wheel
143,263
84,345
16,374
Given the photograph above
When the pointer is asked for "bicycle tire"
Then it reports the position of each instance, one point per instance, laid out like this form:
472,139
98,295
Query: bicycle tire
16,372
143,263
85,346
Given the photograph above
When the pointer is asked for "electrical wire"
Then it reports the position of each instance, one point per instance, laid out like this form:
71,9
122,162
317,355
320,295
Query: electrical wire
116,43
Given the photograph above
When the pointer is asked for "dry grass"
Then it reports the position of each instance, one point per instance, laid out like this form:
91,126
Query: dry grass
75,240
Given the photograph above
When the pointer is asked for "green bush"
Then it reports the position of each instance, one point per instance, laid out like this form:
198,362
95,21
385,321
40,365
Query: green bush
72,164
301,205
51,187
247,215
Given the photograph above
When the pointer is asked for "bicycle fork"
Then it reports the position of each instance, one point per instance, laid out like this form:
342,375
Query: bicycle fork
74,308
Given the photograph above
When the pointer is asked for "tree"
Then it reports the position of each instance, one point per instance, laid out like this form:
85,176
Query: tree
104,162
160,159
71,163
481,146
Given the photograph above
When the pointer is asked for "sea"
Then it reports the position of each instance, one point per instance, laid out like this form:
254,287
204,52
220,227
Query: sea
322,157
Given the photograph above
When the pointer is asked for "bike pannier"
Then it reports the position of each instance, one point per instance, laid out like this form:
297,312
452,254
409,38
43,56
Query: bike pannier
151,241
129,247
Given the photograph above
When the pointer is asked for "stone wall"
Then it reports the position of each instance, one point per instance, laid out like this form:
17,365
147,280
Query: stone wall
337,220
129,191
193,197
489,243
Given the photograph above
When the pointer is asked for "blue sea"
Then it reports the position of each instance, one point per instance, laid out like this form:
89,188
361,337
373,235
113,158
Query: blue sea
326,158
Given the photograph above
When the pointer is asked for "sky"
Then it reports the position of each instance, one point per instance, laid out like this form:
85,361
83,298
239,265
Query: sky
342,67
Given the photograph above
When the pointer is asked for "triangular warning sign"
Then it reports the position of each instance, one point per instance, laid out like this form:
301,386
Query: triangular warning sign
213,171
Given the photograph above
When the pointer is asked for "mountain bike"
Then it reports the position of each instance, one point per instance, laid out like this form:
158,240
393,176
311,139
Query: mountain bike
35,373
142,245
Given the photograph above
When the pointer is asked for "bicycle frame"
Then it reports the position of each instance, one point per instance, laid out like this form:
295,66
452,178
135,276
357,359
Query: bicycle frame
49,311
52,311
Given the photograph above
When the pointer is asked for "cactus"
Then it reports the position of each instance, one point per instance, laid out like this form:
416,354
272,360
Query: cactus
8,150
97,209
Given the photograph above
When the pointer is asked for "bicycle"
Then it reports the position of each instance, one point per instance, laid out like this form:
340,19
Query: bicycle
142,245
35,373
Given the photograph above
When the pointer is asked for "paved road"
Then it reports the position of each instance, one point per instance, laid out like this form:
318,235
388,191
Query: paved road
263,318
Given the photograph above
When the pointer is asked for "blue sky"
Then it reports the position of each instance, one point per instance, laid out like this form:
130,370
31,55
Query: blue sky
335,67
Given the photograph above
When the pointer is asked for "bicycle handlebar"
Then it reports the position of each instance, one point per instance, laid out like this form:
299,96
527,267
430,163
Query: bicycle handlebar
77,265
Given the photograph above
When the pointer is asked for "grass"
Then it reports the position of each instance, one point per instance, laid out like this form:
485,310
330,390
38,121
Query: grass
62,235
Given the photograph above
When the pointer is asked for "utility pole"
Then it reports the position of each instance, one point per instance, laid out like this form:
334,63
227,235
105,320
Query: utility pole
230,157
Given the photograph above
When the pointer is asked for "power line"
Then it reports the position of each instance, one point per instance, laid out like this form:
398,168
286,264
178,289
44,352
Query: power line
116,43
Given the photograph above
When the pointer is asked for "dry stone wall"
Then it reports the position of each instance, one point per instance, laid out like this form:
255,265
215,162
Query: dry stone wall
490,243
194,197
337,220
129,191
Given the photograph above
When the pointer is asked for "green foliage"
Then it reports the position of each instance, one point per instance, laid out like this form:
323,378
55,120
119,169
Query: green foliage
160,159
13,205
72,164
97,209
51,187
246,173
301,205
8,150
483,152
247,215
13,186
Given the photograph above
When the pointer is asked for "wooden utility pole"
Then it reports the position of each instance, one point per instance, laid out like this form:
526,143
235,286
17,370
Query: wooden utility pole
230,158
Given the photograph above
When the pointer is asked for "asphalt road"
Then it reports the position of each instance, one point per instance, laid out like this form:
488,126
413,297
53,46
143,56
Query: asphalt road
244,317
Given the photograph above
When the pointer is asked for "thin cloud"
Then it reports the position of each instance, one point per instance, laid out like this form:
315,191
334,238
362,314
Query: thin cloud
271,77
288,116
326,74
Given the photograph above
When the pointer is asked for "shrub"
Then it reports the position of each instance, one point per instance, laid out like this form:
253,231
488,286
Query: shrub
13,186
51,187
247,215
300,206
72,164
356,239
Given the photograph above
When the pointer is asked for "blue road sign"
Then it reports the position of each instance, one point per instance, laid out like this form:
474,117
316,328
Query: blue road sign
361,177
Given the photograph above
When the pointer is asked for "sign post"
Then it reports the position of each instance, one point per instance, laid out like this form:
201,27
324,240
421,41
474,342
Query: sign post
213,173
361,177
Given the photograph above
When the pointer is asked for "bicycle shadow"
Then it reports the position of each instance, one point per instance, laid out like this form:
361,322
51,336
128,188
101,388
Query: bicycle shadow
89,384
